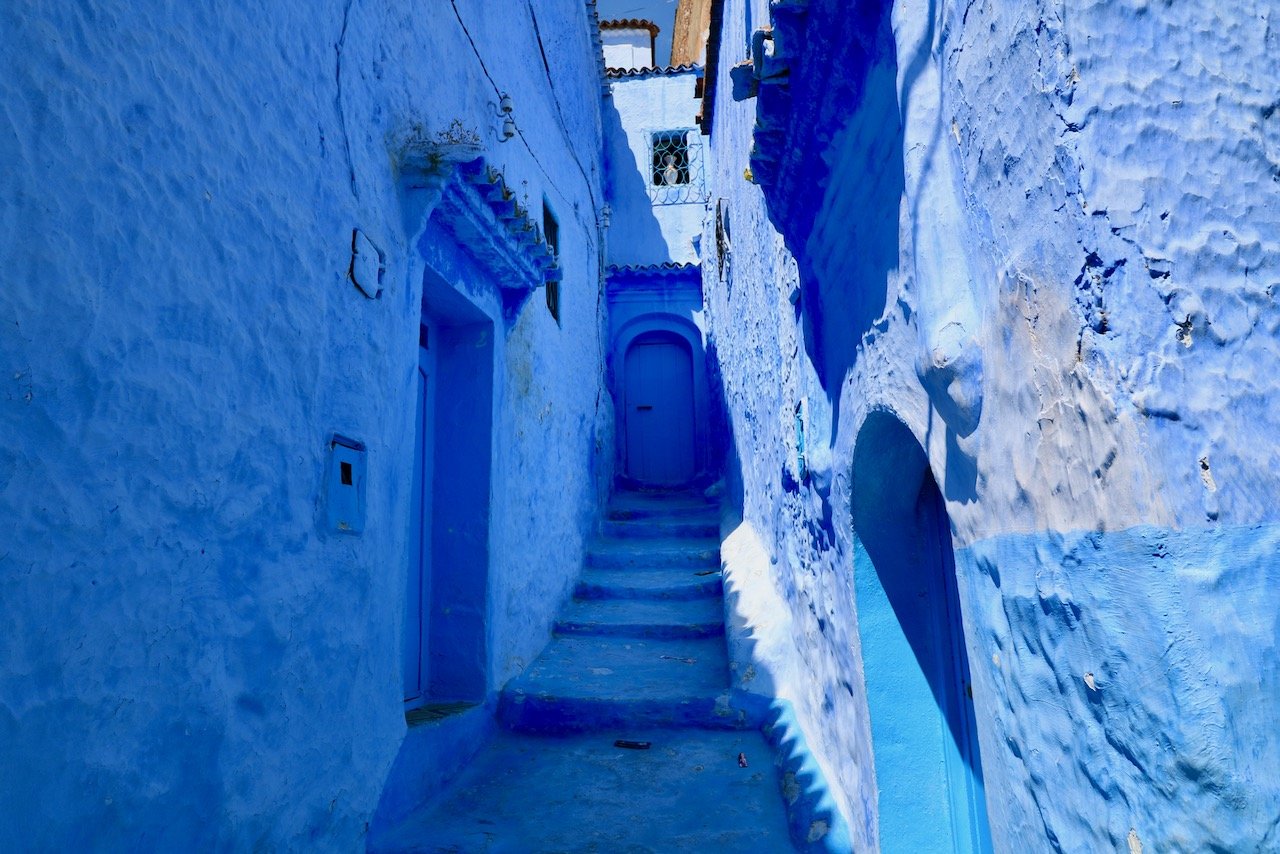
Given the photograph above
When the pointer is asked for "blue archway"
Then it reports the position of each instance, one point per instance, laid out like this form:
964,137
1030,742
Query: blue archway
919,694
673,327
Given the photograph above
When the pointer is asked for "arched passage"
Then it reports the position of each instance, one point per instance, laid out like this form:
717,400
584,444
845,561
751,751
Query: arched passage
919,694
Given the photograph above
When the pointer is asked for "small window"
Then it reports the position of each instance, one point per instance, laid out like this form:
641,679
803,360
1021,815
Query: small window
670,158
553,300
802,465
551,234
550,230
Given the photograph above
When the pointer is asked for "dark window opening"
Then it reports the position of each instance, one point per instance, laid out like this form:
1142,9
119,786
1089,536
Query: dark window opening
553,300
551,234
550,230
670,158
346,473
802,466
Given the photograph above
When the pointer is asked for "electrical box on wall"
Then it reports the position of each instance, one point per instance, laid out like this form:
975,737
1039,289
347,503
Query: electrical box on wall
344,486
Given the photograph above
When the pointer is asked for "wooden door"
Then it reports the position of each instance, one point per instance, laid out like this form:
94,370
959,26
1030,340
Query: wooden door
659,411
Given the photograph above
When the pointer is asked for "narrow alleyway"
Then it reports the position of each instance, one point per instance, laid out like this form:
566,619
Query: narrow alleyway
365,363
619,735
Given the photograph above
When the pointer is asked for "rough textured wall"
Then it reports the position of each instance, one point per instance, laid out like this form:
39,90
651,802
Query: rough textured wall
1075,315
642,232
690,32
192,660
788,590
1135,561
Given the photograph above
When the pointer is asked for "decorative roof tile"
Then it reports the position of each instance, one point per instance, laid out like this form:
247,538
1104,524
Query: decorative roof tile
667,268
631,24
616,73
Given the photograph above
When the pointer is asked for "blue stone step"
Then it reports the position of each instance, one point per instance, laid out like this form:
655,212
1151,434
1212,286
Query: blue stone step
581,793
677,582
590,683
698,527
639,618
703,553
644,505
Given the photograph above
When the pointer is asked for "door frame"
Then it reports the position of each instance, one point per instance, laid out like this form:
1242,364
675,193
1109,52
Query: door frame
679,327
465,332
420,519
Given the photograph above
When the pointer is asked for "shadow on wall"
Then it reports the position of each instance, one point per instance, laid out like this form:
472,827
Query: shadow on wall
853,247
719,429
635,237
919,695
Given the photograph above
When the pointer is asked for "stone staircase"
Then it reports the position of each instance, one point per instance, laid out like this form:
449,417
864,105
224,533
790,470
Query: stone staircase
642,642
638,658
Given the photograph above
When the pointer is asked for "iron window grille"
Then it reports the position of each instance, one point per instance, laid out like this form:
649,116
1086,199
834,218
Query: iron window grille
676,167
551,234
550,230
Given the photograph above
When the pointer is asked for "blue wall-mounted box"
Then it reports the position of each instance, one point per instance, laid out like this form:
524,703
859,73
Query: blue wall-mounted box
344,486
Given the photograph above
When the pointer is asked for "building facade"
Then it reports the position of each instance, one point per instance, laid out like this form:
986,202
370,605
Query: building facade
993,323
296,441
328,332
665,392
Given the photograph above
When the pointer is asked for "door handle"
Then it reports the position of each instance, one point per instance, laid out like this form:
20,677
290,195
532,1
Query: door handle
644,407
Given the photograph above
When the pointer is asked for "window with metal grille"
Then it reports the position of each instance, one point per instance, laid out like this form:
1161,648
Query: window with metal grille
553,300
676,167
550,229
670,159
551,233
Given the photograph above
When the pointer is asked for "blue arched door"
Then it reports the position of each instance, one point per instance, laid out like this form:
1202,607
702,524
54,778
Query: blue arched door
659,420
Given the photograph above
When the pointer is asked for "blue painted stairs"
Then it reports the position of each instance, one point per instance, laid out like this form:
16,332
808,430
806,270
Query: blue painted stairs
642,643
639,654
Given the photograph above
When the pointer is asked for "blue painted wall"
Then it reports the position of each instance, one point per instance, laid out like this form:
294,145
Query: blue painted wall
1001,224
644,230
664,300
654,249
193,660
1046,243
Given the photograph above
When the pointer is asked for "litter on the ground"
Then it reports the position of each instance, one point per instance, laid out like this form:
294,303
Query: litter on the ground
632,745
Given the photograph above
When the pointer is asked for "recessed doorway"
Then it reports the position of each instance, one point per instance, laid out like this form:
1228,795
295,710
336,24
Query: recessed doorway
445,653
915,662
659,426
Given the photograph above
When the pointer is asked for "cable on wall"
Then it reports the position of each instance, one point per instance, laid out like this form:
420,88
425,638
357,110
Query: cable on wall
520,132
